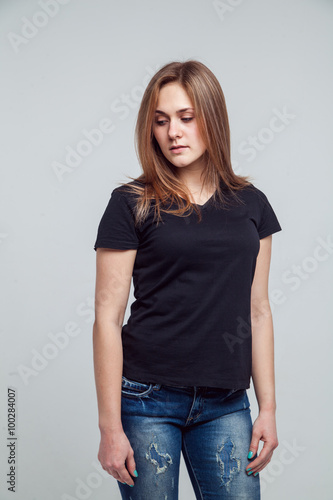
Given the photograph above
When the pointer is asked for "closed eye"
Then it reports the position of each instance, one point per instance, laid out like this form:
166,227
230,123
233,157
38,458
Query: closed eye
161,122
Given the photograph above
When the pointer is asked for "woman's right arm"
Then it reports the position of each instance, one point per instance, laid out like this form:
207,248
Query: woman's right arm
114,270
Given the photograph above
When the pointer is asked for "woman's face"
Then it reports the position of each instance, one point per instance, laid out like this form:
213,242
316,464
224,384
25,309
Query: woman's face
175,124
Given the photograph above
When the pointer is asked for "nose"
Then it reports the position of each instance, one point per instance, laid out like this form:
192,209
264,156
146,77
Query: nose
174,130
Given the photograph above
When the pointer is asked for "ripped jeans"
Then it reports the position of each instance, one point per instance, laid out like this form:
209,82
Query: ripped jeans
212,427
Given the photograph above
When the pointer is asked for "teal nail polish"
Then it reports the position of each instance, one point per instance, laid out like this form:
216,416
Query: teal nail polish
249,474
250,454
135,473
131,485
247,470
256,473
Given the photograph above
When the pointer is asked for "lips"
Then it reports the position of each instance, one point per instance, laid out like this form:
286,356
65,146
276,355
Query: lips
177,147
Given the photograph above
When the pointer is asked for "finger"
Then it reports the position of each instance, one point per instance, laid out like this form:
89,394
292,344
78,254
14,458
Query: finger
130,464
267,450
108,470
259,463
256,470
253,448
114,474
117,477
125,476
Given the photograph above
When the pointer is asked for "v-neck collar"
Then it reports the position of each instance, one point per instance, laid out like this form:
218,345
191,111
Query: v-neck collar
206,202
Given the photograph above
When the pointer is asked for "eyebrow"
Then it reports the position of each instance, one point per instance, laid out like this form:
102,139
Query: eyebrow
158,111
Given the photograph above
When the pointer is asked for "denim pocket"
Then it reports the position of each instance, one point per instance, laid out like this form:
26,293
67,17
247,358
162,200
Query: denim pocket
225,395
239,395
135,389
234,393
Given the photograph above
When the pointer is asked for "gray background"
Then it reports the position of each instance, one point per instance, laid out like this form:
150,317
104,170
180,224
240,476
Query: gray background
89,62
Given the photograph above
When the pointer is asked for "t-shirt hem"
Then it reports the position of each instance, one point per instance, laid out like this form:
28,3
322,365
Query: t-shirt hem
118,245
267,232
221,384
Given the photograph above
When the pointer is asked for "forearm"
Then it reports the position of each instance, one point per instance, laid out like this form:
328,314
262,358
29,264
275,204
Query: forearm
108,367
263,360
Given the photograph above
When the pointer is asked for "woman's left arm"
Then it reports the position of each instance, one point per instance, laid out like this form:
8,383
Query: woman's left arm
264,427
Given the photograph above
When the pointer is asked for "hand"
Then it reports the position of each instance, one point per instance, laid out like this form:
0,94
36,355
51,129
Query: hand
114,450
264,429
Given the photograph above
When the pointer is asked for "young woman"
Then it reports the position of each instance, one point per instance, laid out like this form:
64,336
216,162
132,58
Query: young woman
197,240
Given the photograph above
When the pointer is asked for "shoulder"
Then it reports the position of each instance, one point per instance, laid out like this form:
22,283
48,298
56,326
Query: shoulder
261,211
127,194
129,190
252,194
127,187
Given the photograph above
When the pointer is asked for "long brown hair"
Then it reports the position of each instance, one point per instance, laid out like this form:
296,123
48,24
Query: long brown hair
159,180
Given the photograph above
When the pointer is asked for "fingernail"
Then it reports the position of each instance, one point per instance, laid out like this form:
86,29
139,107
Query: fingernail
250,473
131,485
256,473
247,470
250,454
135,473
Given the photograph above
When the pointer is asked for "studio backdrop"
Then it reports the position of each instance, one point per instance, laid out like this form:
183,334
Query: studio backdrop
73,75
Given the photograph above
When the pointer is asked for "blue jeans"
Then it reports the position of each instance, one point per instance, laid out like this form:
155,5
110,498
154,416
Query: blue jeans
212,428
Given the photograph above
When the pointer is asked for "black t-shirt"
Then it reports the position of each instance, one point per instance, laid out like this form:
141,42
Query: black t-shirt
190,323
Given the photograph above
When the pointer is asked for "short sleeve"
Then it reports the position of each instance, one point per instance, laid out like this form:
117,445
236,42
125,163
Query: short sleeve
268,223
116,228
